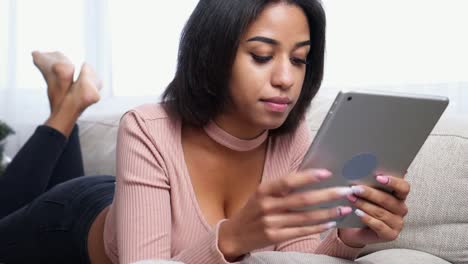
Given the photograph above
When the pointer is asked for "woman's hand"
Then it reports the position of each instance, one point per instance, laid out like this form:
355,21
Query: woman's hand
269,217
382,212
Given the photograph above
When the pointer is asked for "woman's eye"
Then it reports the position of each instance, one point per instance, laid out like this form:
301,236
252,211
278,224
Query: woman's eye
298,61
261,59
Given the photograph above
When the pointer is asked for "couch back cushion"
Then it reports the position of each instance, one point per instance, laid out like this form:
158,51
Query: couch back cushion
98,142
437,222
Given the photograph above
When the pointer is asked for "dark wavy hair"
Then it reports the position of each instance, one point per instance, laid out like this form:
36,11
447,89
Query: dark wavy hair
208,47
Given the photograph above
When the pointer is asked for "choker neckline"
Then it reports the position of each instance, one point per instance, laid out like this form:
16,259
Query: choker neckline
229,141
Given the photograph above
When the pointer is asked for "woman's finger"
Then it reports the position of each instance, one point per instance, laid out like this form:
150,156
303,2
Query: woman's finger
400,187
298,219
390,219
285,185
380,198
284,234
300,200
379,227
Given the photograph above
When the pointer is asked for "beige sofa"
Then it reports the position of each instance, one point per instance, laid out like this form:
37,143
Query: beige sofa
436,229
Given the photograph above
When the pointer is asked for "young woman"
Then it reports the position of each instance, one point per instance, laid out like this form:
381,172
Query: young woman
207,176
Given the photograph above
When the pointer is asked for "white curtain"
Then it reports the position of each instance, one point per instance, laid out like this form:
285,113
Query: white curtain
417,46
132,45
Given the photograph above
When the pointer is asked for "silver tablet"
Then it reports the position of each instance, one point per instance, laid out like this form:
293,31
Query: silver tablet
367,133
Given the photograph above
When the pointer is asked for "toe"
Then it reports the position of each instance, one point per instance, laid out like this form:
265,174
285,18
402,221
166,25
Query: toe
36,57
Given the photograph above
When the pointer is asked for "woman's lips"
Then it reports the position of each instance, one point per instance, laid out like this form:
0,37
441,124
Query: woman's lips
277,104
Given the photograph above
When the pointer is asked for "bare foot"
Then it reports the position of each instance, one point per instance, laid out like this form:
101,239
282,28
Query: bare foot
82,93
57,71
85,91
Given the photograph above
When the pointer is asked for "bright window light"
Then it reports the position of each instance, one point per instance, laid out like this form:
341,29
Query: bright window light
145,41
47,25
3,42
396,42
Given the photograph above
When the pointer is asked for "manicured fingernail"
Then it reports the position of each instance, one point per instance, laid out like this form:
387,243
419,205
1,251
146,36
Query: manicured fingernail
343,191
323,174
352,198
383,179
344,210
359,213
357,189
330,225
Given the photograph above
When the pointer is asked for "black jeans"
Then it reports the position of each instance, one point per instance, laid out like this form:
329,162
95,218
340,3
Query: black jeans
46,208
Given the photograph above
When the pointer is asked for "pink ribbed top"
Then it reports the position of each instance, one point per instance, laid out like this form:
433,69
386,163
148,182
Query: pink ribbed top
155,213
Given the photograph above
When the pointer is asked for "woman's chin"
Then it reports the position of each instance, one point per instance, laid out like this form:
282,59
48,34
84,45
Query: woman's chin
271,124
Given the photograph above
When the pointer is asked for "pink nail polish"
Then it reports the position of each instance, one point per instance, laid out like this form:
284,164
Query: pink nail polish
344,210
383,179
352,198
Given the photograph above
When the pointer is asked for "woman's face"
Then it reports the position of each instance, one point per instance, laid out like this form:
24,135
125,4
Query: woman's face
269,68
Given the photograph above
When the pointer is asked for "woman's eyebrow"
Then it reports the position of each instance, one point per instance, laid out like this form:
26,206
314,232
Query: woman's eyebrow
264,39
302,44
275,42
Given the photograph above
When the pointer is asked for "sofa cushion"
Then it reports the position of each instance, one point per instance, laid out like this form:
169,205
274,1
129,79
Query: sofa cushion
437,221
276,257
98,142
400,256
389,256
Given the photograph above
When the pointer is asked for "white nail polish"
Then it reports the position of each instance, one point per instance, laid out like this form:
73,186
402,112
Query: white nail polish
359,213
323,174
330,225
357,189
344,191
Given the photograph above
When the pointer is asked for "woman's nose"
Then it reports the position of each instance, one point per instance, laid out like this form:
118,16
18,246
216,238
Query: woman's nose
282,75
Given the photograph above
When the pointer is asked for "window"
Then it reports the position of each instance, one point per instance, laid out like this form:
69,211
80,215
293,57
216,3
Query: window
145,41
4,7
396,42
47,25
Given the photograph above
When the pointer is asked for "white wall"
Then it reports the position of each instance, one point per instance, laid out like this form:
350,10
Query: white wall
381,42
145,40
